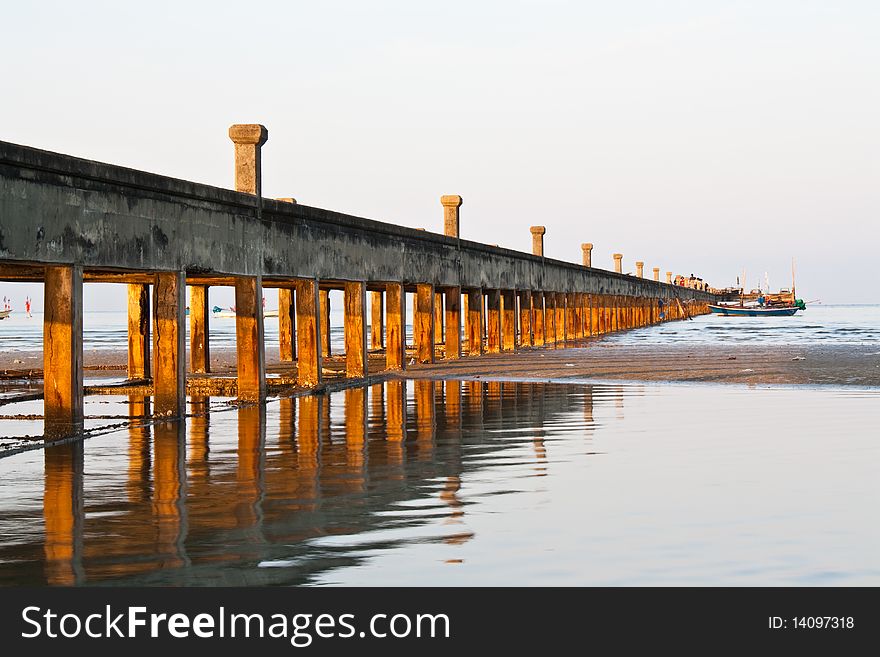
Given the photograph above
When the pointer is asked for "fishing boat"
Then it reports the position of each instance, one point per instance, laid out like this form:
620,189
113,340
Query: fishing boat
782,304
5,313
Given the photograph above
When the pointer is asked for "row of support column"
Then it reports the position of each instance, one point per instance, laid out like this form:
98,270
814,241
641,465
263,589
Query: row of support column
493,321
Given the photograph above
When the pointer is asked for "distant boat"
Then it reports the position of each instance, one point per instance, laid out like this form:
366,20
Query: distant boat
755,311
5,313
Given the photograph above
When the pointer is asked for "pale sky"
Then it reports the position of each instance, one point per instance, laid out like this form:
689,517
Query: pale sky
701,136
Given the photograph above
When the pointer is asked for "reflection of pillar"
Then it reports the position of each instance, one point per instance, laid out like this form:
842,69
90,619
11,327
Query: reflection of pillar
453,323
198,442
169,371
588,404
250,347
251,466
376,419
169,494
508,320
452,405
325,323
138,331
395,339
425,420
396,413
63,512
423,315
286,325
474,322
355,330
308,334
138,486
199,329
493,327
308,436
538,318
376,321
355,434
62,351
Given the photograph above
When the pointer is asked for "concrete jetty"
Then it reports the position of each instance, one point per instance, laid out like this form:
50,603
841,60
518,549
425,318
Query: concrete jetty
66,221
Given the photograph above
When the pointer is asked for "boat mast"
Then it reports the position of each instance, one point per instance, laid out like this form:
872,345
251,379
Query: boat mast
793,297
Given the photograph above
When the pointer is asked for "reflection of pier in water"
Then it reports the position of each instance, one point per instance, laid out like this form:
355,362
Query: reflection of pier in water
318,467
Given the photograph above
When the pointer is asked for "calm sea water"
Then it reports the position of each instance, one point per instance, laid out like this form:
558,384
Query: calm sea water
461,483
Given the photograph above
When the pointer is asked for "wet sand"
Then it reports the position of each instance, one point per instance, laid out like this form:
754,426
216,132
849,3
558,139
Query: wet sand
857,365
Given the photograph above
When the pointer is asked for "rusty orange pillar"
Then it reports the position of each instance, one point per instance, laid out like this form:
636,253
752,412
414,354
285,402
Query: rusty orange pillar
423,323
286,325
551,330
138,331
537,321
561,312
169,344
395,327
438,315
453,322
525,318
250,348
356,330
377,307
63,351
508,320
474,322
199,328
324,296
493,321
308,335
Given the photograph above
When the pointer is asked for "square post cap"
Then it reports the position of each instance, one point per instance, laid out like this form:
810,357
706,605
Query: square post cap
586,246
538,230
618,256
450,200
248,133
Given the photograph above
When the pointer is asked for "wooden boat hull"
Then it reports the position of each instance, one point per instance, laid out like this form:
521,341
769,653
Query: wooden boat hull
735,311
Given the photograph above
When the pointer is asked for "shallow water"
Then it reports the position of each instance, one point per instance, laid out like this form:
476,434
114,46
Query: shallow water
461,483
817,325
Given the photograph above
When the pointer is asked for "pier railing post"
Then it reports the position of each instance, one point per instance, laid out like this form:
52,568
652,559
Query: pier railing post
538,240
248,139
138,331
395,326
453,322
423,324
587,254
669,278
618,262
356,365
250,347
63,351
199,329
451,204
474,322
169,344
286,325
640,269
657,274
308,334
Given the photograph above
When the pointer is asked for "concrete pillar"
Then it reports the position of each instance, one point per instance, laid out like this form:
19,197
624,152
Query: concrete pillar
493,321
538,240
551,334
395,339
525,318
138,331
657,274
508,320
199,327
249,345
587,250
561,315
538,338
474,322
309,333
376,320
453,322
618,262
423,323
669,277
169,344
595,300
356,365
249,139
286,325
325,322
63,351
451,204
438,315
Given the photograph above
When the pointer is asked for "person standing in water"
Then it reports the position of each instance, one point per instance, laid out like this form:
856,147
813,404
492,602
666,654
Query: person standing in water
27,306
